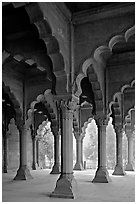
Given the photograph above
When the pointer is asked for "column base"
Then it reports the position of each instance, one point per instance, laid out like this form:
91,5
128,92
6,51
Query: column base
129,167
55,169
64,187
34,166
78,167
118,171
23,173
102,176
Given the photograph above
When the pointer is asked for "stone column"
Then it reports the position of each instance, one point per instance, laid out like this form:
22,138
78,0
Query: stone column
102,175
119,161
56,168
78,165
65,185
4,140
37,153
33,148
129,166
23,172
82,163
5,145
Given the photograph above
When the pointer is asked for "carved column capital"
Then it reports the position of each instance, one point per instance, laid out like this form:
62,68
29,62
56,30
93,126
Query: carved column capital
77,135
69,101
55,132
101,120
129,133
119,130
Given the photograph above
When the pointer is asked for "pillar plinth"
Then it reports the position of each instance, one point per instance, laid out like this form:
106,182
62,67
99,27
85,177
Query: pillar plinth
65,184
23,172
78,165
56,167
119,162
129,166
102,175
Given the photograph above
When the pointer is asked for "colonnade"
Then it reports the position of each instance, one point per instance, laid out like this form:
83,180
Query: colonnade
64,185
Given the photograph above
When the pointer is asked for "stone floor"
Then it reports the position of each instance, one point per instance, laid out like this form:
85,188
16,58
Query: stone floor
38,189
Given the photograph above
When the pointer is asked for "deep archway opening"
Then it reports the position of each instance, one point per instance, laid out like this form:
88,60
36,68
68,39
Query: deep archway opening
90,146
110,145
44,137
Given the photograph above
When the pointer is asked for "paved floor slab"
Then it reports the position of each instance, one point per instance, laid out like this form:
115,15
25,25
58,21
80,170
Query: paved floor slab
38,189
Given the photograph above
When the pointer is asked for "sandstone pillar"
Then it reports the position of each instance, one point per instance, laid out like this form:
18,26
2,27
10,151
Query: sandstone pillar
5,145
119,162
56,167
102,175
78,165
33,148
129,166
65,185
82,163
37,153
23,172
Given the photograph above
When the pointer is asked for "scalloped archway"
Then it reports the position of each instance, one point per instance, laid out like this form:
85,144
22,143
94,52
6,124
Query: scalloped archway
45,33
47,100
94,66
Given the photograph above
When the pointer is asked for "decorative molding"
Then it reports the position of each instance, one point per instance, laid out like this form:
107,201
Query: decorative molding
108,12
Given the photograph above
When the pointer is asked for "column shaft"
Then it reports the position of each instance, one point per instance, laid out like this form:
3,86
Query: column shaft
34,153
23,172
56,168
102,175
37,152
129,166
5,153
82,163
64,185
119,161
78,165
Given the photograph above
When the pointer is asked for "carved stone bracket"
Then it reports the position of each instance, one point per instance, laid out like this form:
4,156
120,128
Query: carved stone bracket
101,120
67,102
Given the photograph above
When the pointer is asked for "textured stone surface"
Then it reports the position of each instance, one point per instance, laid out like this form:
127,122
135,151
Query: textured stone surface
38,189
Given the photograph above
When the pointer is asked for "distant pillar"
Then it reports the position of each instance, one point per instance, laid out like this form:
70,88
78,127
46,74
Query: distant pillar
119,161
37,152
5,146
65,185
78,165
82,163
33,149
23,172
129,166
56,168
102,175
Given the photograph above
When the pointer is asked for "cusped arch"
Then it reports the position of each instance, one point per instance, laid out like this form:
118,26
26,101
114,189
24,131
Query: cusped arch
116,104
85,127
45,33
47,100
97,62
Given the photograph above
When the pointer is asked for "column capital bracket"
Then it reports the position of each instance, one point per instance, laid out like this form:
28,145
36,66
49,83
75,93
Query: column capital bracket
68,101
101,120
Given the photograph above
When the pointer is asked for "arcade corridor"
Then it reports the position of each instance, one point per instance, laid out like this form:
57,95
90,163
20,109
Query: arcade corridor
65,64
